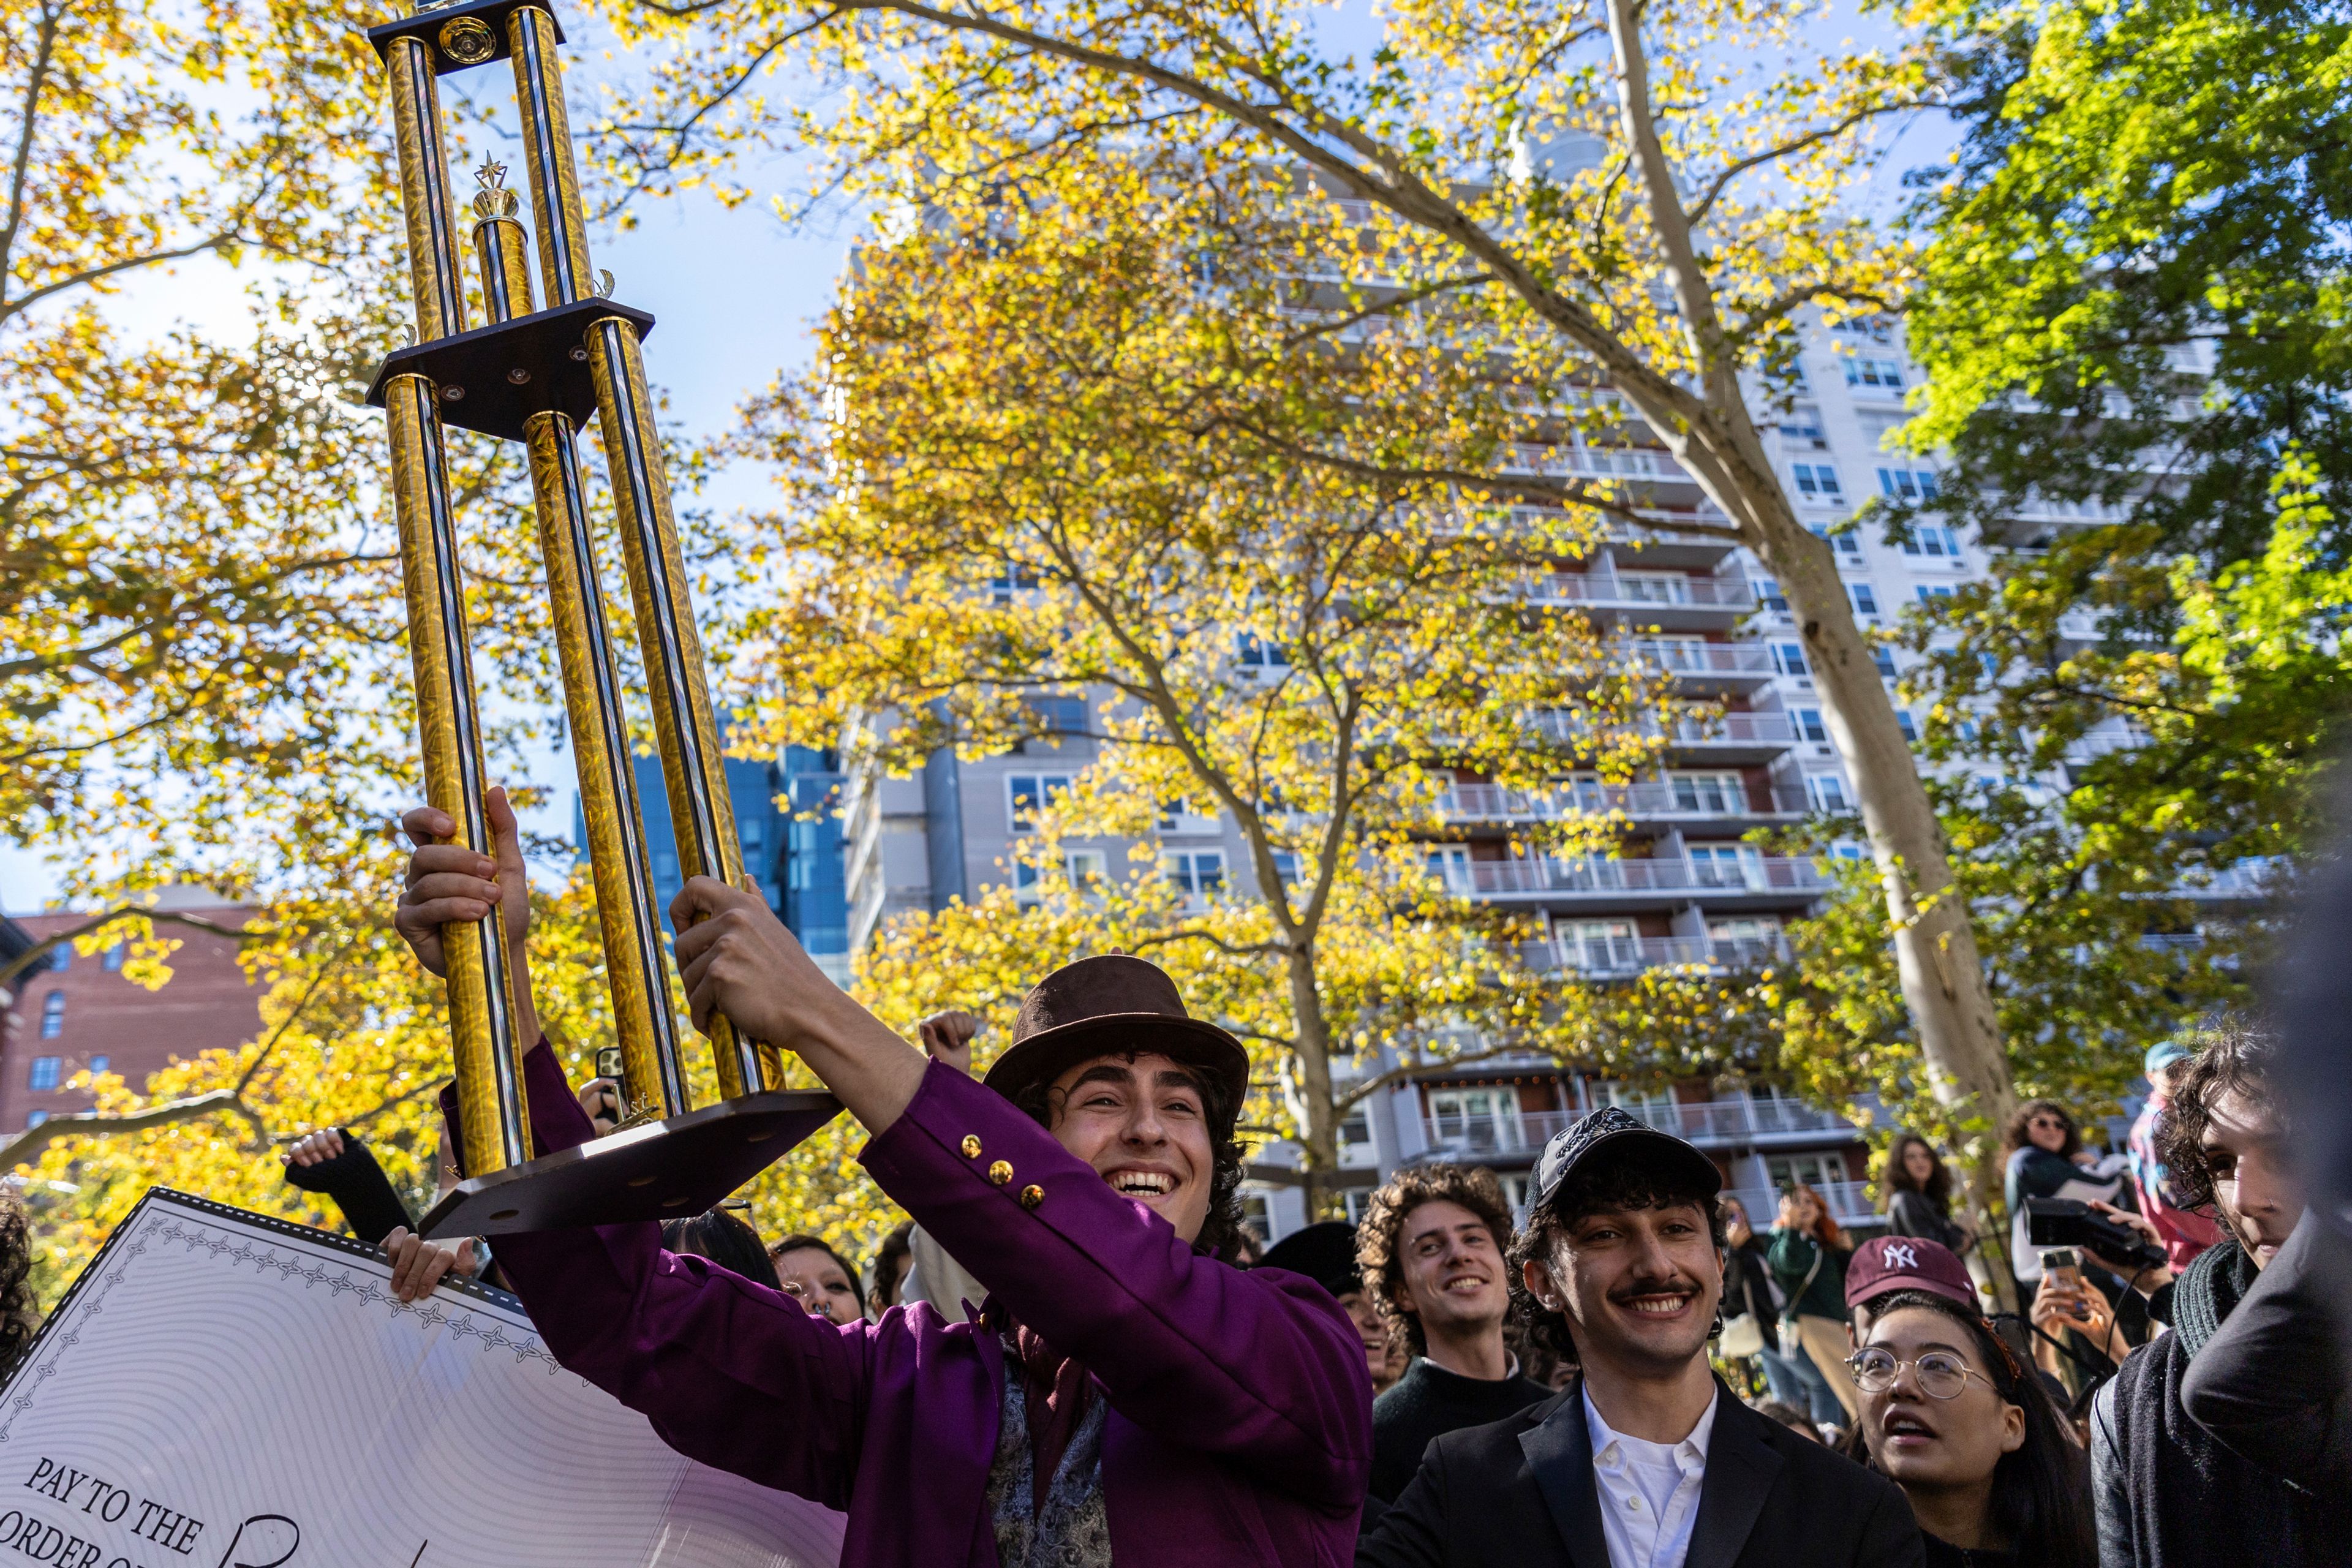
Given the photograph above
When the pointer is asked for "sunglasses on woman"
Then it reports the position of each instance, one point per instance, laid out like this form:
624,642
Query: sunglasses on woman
1942,1374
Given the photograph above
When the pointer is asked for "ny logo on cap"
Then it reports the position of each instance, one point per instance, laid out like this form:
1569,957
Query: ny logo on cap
1902,1258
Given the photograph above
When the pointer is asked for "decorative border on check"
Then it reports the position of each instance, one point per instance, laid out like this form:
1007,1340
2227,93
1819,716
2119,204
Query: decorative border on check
364,1275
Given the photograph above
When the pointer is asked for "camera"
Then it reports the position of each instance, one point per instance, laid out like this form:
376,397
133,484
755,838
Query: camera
2064,1222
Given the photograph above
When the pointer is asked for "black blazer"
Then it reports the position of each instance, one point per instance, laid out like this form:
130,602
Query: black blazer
1520,1493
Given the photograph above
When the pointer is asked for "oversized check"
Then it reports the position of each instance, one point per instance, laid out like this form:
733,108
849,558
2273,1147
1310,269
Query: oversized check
223,1390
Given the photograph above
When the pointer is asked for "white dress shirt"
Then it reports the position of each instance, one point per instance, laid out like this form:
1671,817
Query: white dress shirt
1649,1491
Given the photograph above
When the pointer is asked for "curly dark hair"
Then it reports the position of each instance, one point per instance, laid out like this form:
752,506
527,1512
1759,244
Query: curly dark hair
1377,1236
2036,1509
1221,1231
1638,1179
1893,1176
2232,1056
19,1319
2014,1136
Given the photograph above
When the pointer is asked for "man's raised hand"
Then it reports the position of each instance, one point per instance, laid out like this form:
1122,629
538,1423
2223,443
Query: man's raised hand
947,1037
447,883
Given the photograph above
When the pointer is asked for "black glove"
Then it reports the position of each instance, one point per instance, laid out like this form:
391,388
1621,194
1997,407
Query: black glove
359,1187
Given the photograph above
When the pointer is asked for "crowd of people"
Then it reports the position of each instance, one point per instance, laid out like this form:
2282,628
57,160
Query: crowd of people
1071,1356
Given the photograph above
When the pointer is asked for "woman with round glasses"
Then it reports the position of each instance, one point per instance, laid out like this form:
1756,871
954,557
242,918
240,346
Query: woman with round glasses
1950,1415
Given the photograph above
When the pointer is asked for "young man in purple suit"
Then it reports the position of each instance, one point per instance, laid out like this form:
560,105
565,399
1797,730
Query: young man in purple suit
1123,1396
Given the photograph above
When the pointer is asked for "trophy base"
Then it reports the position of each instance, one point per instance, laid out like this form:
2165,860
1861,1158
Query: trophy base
664,1170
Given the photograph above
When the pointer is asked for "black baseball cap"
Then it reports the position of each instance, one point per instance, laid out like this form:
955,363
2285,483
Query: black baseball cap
1618,1131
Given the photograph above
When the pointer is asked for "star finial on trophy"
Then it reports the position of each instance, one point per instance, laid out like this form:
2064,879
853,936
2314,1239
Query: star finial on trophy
494,200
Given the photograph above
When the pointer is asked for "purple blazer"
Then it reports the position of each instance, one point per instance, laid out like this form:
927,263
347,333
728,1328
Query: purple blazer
1239,1427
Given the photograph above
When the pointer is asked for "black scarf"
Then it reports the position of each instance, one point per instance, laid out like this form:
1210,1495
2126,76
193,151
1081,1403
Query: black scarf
2210,1291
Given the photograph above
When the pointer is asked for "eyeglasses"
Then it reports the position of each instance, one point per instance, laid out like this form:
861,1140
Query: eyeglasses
1942,1374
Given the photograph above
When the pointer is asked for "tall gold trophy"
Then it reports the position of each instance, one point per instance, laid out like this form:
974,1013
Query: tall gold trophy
533,375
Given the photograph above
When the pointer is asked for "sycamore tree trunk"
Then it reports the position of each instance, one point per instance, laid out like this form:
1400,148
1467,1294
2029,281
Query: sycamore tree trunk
1713,436
1320,1136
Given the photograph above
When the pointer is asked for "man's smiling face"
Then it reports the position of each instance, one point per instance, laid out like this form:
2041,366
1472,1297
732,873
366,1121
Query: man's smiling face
1639,1285
1453,1277
1142,1122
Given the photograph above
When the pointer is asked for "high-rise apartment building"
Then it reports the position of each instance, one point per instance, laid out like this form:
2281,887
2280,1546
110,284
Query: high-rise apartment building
1683,887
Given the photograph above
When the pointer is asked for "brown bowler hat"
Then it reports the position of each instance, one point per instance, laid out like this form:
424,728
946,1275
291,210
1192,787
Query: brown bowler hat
1114,1003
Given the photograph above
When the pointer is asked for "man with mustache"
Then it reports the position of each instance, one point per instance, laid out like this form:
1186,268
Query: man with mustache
1647,1461
1124,1394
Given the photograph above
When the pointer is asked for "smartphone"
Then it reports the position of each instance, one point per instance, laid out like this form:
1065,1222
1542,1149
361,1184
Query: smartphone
2064,1264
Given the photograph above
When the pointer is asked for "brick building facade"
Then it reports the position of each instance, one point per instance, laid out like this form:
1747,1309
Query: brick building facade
79,1013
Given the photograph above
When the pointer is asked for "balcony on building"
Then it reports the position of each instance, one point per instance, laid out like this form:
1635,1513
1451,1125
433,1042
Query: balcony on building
1735,802
1726,875
1616,957
1697,668
1471,1125
1737,738
1660,600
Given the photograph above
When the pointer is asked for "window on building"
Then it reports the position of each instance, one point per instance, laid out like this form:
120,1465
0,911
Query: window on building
1726,866
53,1014
1864,597
1714,793
1863,370
1768,594
1817,481
1255,1218
1083,868
1905,722
1933,540
100,1064
1908,484
1289,867
1804,431
1600,947
1356,1129
1012,581
33,1119
1883,658
60,958
111,958
1847,544
45,1072
1655,587
1927,591
1450,864
1030,794
1827,793
1789,658
1059,715
1474,1119
1819,1172
1201,873
1255,653
1809,725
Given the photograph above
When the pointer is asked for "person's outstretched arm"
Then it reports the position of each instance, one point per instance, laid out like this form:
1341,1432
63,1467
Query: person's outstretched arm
2269,1385
729,1372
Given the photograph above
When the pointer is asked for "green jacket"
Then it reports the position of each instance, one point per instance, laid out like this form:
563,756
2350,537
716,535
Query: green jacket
1790,1257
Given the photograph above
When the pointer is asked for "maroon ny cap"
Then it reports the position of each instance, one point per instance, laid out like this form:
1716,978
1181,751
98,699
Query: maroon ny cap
1886,1263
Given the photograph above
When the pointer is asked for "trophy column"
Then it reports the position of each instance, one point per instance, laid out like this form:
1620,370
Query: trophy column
488,1066
634,968
684,729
